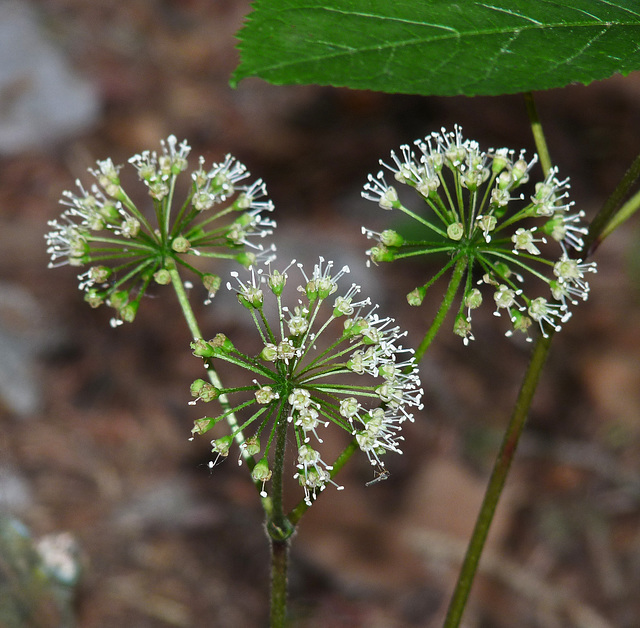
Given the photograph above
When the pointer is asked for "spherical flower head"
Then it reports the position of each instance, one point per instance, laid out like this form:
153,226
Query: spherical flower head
479,211
328,359
125,248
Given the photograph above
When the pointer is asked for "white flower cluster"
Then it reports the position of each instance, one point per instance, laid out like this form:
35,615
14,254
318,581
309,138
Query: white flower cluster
473,213
327,360
126,247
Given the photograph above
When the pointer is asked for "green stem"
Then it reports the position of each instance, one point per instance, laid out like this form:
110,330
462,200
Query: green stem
497,481
511,436
279,565
538,133
445,306
623,214
192,323
183,300
607,219
279,529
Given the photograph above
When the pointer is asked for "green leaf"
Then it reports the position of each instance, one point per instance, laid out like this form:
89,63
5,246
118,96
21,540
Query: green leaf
438,47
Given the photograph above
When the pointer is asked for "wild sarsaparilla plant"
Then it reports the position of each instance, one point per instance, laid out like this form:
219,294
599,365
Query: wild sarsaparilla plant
503,225
327,358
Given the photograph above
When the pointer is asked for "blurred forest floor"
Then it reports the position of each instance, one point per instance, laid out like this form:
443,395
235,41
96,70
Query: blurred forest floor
103,453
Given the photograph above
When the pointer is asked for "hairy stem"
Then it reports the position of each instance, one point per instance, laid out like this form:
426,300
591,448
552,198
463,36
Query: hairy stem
279,529
279,565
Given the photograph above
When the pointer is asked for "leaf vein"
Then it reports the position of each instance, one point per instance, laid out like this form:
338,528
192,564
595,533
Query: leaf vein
510,12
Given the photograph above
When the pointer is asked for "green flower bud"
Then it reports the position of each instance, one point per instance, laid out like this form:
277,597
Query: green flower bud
502,270
251,298
211,283
276,282
201,389
110,213
99,274
311,290
326,287
222,344
180,244
519,172
487,223
387,371
286,350
381,254
342,307
118,299
555,228
416,296
130,227
389,200
158,189
202,348
354,326
520,321
269,353
162,277
129,311
500,161
389,237
473,298
243,201
261,472
94,298
455,231
265,395
221,445
200,426
246,258
244,220
462,328
252,446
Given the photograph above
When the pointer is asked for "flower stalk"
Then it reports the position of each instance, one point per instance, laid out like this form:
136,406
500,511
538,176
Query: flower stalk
497,480
279,530
511,436
447,301
279,574
611,216
474,214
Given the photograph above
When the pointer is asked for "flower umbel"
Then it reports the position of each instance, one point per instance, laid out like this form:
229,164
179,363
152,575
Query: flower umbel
477,214
328,360
127,248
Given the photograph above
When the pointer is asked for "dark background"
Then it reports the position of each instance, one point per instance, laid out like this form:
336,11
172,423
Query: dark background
100,447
